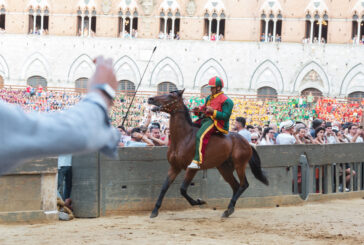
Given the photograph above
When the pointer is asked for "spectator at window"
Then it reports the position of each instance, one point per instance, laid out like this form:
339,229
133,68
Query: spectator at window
138,139
178,36
354,134
286,137
267,137
262,37
240,128
221,37
213,37
161,35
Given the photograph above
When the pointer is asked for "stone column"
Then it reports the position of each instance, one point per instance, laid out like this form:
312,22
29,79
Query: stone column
165,27
123,32
34,22
274,29
320,31
358,35
266,30
218,28
131,26
210,26
311,31
89,25
173,20
82,24
41,22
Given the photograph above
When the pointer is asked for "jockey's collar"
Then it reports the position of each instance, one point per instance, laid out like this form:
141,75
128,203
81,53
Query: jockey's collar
215,95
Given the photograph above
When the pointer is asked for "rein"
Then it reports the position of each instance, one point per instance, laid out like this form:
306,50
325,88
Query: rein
173,109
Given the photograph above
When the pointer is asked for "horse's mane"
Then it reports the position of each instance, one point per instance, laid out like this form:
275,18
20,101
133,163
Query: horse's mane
188,117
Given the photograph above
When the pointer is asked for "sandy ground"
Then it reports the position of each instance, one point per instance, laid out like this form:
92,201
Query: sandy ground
335,222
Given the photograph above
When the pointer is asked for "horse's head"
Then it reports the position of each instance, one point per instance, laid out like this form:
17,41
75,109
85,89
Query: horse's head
167,102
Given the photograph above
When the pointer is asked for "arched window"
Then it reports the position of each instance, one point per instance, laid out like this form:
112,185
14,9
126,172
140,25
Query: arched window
356,96
127,87
357,29
205,91
38,20
35,81
214,26
2,19
267,93
311,91
1,82
271,28
317,27
169,25
128,23
86,22
81,83
166,87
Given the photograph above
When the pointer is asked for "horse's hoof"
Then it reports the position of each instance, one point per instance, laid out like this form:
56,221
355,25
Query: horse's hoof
154,214
228,212
200,202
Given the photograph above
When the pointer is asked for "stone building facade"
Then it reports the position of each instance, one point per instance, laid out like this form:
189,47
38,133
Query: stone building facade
261,46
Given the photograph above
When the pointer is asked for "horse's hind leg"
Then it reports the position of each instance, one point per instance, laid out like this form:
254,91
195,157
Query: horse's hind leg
240,169
172,174
190,174
227,172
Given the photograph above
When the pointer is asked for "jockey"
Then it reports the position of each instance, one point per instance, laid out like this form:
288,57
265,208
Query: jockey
213,116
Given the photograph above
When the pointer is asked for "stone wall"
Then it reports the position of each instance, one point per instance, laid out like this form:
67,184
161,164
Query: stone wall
244,66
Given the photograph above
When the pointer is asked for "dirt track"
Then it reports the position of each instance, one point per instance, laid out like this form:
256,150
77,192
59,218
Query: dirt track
336,222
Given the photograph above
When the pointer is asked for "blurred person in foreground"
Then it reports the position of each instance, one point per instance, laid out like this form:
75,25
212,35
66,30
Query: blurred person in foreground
83,128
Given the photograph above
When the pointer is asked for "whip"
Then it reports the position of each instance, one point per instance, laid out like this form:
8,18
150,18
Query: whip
141,79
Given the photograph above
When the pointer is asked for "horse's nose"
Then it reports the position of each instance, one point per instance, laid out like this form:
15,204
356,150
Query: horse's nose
150,100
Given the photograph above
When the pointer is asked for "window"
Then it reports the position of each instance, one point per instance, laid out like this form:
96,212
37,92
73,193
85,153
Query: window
128,24
214,26
2,19
357,29
356,96
35,81
38,21
169,25
317,28
166,87
86,23
81,83
126,87
267,93
271,27
313,91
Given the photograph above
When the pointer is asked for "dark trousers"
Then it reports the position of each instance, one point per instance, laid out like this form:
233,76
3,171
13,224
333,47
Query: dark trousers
65,174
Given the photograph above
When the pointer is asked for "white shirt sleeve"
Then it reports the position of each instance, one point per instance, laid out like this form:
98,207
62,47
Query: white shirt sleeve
81,129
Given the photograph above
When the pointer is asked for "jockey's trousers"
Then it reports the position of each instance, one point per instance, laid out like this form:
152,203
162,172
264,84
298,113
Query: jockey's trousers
202,138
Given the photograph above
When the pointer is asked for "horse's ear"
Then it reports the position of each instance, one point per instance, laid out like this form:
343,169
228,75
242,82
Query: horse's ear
180,92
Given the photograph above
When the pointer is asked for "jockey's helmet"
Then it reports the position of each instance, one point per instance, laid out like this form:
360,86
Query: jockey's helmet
216,82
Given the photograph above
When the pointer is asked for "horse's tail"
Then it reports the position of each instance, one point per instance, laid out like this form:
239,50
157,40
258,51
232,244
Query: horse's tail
254,163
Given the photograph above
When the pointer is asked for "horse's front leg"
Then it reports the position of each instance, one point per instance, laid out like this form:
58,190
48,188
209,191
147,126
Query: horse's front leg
172,174
190,174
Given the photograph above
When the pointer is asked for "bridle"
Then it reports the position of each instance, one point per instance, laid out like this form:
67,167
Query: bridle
173,109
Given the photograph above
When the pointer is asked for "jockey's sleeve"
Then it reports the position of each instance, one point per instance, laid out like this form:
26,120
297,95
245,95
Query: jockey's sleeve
225,114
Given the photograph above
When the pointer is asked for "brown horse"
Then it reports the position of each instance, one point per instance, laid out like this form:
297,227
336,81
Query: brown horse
224,152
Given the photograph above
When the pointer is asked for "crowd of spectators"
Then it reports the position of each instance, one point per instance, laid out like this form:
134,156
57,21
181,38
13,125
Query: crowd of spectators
262,116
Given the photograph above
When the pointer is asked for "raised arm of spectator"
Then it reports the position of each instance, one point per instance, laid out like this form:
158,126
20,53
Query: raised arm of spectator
146,140
358,133
149,119
83,128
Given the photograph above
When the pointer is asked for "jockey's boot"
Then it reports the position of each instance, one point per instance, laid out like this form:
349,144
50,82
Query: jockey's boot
194,165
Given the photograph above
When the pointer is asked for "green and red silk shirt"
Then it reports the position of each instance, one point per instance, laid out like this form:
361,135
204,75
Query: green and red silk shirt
223,107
